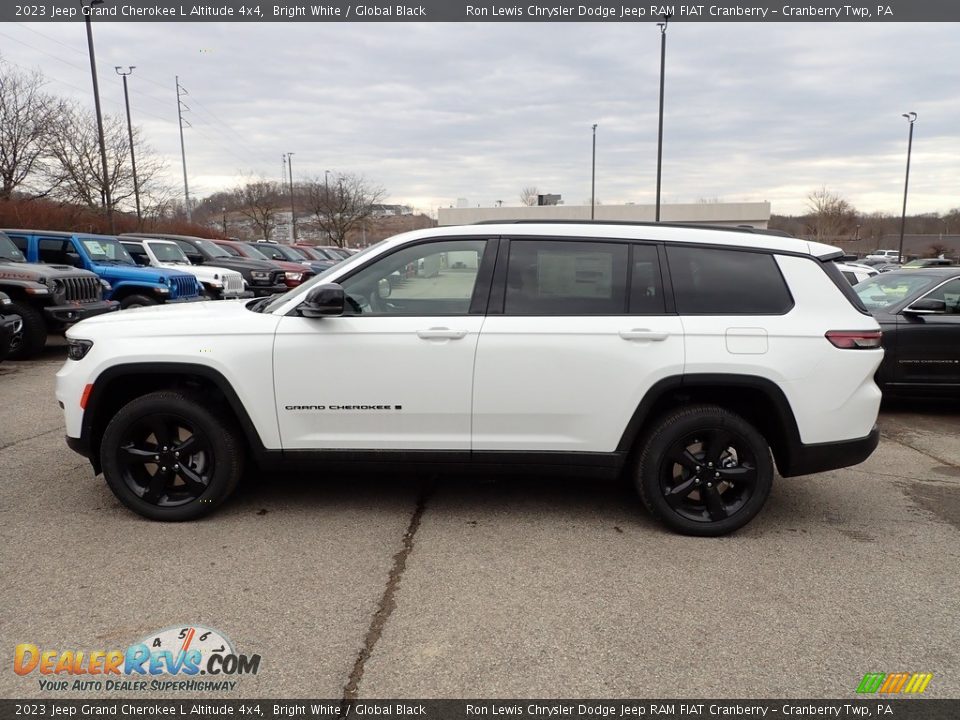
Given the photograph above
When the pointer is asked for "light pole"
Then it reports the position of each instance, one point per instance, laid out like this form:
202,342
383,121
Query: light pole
224,211
663,60
593,174
326,180
133,159
911,119
293,217
105,184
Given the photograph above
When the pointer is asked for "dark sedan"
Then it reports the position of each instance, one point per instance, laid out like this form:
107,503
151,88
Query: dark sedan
919,312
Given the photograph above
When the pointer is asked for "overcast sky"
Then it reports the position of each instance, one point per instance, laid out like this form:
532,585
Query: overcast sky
437,111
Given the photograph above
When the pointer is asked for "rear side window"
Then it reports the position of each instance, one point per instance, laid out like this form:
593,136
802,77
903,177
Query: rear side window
713,281
54,250
547,277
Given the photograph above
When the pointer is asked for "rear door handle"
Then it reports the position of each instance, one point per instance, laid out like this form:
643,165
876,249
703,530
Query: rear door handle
441,333
644,334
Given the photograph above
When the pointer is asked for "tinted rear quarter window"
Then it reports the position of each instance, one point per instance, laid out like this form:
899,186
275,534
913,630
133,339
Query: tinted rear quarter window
713,281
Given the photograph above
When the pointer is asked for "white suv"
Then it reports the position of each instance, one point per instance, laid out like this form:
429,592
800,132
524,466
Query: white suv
683,356
218,283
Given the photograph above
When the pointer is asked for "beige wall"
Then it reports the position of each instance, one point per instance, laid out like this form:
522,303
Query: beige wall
756,214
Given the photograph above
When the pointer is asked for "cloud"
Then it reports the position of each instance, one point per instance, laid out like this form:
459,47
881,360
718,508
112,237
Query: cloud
438,111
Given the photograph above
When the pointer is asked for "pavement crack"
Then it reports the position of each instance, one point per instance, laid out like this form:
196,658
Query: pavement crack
32,437
387,602
929,454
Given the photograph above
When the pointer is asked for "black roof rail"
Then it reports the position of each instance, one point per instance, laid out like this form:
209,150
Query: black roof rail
639,223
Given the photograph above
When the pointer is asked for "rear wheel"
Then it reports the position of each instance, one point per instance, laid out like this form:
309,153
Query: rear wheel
167,457
33,337
704,471
135,301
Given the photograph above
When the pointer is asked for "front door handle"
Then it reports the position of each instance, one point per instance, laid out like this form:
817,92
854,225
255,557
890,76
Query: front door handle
644,334
441,333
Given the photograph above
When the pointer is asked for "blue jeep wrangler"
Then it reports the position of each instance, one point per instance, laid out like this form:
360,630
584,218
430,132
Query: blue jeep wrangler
130,284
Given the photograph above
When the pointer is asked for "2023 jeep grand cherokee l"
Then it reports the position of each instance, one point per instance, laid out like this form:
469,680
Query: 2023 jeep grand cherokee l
684,356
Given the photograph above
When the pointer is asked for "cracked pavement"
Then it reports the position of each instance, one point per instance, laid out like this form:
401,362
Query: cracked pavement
377,587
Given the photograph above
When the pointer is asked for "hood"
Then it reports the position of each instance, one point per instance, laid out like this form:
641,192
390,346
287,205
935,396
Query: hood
32,271
241,263
156,276
222,317
201,272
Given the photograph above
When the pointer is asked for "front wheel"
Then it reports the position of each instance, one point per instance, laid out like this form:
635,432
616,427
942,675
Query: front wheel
167,457
135,301
704,471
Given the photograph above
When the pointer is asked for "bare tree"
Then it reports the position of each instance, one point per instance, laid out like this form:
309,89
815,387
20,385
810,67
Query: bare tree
831,216
341,205
259,200
26,116
529,195
74,169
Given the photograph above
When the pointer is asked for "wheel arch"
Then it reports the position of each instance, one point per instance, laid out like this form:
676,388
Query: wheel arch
118,385
757,399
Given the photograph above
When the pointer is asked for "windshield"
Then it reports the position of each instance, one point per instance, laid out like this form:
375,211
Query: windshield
107,250
291,253
9,251
319,279
255,253
211,248
884,292
169,253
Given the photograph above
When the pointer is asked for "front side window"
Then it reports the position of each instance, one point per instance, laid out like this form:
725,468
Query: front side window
555,277
436,278
949,293
137,253
54,251
716,281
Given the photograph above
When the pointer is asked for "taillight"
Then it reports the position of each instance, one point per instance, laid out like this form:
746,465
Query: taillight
855,339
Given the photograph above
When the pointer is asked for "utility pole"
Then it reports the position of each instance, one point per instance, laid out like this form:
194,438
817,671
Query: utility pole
105,183
133,159
593,174
663,60
181,106
911,119
293,217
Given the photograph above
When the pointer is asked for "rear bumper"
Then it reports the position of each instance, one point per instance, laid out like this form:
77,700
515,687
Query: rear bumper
75,312
808,459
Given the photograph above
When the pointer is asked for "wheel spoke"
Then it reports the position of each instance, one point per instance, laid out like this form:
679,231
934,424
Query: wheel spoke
675,495
130,455
745,474
685,458
155,490
160,430
194,482
715,507
717,443
190,446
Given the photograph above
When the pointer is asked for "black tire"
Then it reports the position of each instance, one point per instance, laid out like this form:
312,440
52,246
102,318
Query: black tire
132,301
158,427
704,471
33,337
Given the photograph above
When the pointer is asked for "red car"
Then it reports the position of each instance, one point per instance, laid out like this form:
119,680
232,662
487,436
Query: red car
293,273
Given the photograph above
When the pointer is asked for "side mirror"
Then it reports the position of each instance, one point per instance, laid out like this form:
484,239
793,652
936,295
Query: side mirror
927,306
323,301
74,259
383,288
196,259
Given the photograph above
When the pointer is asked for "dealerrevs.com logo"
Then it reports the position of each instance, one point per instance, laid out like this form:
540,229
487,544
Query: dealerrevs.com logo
189,658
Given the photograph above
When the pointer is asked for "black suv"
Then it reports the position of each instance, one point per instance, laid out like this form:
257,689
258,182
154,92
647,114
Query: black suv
261,276
48,298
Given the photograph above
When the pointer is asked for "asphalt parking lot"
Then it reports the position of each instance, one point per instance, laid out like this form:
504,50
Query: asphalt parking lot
379,587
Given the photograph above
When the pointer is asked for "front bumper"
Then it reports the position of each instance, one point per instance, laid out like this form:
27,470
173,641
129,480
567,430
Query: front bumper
818,457
264,290
75,312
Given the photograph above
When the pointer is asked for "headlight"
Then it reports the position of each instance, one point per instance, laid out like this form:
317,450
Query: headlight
295,276
260,275
162,291
77,349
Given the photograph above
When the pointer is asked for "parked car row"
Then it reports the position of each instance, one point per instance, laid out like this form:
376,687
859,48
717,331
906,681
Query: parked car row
54,279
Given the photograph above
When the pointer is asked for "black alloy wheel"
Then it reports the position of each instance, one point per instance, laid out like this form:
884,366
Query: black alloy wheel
168,457
704,471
